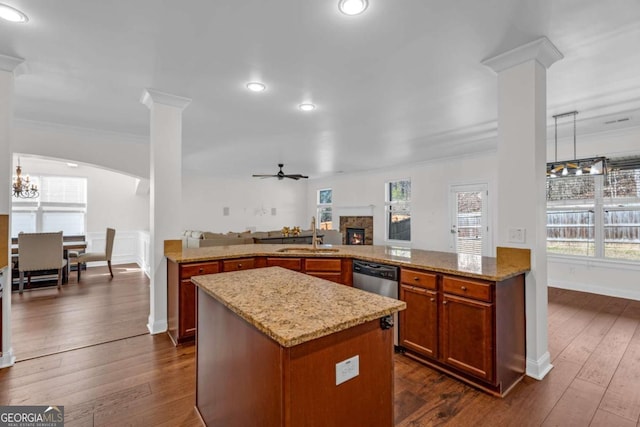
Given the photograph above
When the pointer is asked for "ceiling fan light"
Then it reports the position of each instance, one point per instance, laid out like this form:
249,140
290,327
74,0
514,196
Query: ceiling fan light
11,14
307,107
353,7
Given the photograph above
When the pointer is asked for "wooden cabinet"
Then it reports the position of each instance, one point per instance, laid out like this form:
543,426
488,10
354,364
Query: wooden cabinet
181,297
181,300
472,329
419,322
325,268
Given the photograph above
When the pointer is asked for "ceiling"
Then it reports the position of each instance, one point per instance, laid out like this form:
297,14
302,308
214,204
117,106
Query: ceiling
401,83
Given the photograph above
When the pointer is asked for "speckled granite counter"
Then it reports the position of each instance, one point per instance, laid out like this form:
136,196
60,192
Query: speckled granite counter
292,308
509,263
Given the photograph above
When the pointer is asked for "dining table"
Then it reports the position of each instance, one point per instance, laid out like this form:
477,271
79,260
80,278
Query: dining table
69,243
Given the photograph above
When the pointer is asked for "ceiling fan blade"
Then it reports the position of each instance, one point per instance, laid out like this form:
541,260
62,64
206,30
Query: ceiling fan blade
296,176
264,176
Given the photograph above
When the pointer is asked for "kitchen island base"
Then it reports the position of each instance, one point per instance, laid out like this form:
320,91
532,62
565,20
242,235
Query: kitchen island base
246,378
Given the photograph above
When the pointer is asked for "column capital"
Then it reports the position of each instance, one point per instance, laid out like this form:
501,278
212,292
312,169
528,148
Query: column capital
10,63
540,50
152,96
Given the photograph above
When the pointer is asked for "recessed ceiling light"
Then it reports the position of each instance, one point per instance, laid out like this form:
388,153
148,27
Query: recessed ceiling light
353,7
307,107
256,86
11,14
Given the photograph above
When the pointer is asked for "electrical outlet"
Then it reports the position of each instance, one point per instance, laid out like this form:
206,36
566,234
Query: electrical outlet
347,369
517,235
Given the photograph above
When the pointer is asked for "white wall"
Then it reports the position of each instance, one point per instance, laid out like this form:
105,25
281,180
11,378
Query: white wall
250,202
430,184
128,154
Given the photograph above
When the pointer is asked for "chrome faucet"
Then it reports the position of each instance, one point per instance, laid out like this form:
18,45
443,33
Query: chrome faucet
314,236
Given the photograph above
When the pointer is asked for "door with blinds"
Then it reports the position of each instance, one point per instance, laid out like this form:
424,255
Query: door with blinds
469,223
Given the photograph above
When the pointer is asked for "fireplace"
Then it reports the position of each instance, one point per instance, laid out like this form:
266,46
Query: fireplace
356,230
355,236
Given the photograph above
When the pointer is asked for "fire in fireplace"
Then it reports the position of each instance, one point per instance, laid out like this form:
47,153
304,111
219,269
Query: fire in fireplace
355,236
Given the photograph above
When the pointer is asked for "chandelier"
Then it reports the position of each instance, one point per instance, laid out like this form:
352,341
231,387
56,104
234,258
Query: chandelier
574,167
22,187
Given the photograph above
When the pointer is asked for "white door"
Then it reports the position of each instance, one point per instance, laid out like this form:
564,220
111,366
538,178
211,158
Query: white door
469,222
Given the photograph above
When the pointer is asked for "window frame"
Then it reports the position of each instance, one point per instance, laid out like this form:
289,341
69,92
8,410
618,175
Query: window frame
600,205
322,208
396,205
41,208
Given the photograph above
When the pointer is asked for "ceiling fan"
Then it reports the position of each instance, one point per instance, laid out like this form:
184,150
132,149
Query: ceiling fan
282,175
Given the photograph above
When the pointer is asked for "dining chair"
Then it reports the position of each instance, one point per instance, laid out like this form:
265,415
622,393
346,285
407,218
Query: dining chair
39,252
83,258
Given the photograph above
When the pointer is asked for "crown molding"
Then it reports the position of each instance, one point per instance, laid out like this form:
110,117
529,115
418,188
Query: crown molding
151,96
10,64
540,50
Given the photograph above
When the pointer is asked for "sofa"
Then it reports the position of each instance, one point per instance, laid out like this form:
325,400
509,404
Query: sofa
202,239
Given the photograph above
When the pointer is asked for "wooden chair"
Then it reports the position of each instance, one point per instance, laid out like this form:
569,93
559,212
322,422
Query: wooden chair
39,252
83,258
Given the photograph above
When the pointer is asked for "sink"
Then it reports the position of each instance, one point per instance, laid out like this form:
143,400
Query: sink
311,250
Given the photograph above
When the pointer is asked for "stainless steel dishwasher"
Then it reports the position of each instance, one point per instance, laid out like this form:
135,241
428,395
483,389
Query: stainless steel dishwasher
380,279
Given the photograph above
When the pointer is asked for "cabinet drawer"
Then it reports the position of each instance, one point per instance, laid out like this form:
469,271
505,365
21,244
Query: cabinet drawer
197,269
418,278
238,264
467,288
290,263
333,277
319,264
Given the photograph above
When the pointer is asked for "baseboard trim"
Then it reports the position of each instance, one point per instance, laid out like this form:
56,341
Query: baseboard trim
593,289
538,369
156,327
7,359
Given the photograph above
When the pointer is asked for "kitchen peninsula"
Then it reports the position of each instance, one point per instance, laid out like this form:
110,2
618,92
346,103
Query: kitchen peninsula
281,348
465,314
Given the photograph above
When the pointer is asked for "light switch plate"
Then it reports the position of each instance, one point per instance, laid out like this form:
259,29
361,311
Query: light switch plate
517,235
347,369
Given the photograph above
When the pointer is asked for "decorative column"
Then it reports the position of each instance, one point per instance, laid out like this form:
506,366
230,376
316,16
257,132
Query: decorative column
8,67
521,199
165,193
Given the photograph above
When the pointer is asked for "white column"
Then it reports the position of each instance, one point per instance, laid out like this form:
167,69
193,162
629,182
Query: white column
165,193
8,66
521,199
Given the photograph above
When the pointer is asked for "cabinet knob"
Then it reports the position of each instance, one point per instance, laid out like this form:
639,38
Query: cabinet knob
416,278
201,270
464,288
444,302
239,265
433,299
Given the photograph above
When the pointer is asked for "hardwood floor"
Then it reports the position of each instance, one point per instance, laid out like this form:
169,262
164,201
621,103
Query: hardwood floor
96,310
146,381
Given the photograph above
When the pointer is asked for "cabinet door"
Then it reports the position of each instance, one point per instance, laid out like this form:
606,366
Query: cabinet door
467,336
419,322
187,323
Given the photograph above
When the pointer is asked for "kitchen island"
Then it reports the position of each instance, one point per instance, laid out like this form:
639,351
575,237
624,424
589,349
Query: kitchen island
280,348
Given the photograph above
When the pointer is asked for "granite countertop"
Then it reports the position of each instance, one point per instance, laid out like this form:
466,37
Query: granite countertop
293,308
509,262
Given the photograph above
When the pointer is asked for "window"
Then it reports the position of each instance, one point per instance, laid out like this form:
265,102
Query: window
398,210
596,216
61,205
325,211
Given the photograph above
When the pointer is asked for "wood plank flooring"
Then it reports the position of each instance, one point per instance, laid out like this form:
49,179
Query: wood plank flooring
96,310
146,381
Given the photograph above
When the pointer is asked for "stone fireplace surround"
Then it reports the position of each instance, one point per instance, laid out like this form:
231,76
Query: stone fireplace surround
364,222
